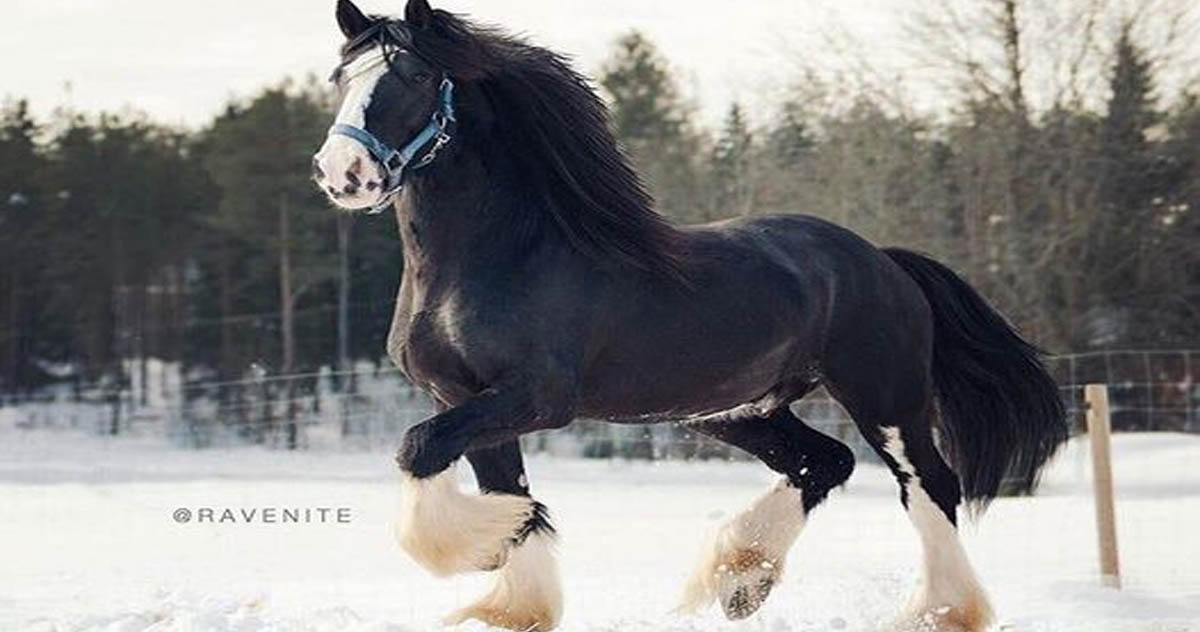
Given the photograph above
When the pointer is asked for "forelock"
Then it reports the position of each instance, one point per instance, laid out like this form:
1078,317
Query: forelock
382,31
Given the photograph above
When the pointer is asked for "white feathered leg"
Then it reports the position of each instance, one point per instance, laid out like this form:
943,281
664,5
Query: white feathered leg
949,597
744,559
526,595
449,532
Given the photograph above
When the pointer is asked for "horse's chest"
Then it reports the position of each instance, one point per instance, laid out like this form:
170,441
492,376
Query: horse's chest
428,342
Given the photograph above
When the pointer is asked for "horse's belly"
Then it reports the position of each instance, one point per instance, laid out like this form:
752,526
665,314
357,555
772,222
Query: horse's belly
681,386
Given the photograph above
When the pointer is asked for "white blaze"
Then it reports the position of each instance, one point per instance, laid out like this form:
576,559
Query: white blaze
340,152
362,75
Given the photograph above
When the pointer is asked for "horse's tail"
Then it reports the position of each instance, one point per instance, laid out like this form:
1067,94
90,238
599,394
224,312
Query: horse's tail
1001,417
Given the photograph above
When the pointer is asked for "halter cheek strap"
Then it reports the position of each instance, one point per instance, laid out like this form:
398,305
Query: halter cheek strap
417,153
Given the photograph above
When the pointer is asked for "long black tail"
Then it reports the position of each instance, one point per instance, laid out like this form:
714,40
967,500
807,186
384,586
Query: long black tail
1001,416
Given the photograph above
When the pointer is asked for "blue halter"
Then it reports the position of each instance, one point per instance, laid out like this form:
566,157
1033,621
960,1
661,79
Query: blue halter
435,134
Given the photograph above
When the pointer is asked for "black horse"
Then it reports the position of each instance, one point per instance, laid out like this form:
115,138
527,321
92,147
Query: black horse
540,286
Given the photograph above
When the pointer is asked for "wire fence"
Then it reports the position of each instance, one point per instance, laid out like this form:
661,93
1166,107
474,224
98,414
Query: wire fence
1150,390
373,405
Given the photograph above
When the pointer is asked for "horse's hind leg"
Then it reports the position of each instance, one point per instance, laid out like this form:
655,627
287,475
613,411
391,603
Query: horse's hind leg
949,597
526,594
894,410
745,557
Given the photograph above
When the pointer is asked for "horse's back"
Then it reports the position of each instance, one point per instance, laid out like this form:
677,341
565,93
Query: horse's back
766,296
869,309
877,330
821,256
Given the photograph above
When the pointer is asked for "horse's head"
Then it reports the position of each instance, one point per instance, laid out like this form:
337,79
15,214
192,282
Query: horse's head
396,109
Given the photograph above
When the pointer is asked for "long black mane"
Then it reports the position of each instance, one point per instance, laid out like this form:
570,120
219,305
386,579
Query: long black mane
555,130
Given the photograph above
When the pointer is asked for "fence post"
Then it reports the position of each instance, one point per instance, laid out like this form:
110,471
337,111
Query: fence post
1190,397
1099,432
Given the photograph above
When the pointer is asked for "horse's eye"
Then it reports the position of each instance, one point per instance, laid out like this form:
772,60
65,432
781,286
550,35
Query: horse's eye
421,76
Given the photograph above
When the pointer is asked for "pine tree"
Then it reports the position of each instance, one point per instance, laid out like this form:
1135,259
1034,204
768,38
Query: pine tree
732,165
275,228
653,125
644,99
22,200
113,229
1127,178
1178,313
790,141
1130,113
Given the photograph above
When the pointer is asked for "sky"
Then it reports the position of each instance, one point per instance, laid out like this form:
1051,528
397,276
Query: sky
180,61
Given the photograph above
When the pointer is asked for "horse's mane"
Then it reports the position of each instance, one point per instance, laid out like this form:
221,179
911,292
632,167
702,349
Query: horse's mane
554,129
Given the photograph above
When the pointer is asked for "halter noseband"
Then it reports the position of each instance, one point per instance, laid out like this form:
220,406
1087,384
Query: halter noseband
435,135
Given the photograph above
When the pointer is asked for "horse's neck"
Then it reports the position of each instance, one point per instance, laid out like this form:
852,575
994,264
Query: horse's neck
436,235
462,218
436,226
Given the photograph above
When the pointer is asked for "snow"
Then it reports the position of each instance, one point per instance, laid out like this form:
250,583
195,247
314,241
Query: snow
87,542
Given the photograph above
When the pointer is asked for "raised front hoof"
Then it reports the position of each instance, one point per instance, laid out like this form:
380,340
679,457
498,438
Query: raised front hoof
448,532
526,595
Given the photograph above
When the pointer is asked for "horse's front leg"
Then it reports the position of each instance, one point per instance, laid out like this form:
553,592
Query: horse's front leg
526,594
444,530
449,532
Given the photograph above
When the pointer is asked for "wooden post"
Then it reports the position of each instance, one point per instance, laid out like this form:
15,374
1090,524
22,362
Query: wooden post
1100,430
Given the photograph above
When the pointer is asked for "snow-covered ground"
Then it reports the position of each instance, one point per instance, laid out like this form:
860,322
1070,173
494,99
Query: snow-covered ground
88,542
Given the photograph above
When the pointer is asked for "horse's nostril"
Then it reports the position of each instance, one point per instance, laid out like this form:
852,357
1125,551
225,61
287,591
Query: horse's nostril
316,170
372,185
350,189
352,178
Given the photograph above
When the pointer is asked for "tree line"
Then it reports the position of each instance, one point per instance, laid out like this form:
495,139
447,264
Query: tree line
122,239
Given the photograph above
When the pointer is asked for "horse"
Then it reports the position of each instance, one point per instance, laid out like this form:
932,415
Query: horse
540,286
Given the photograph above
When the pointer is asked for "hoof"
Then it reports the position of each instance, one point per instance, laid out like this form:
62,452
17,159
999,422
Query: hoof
449,532
973,615
944,619
741,580
744,584
526,596
744,559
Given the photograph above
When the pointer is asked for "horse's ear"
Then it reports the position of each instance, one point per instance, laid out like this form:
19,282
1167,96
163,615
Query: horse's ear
418,13
350,19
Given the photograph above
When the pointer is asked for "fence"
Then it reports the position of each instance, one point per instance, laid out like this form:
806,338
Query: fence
1148,390
293,411
373,405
